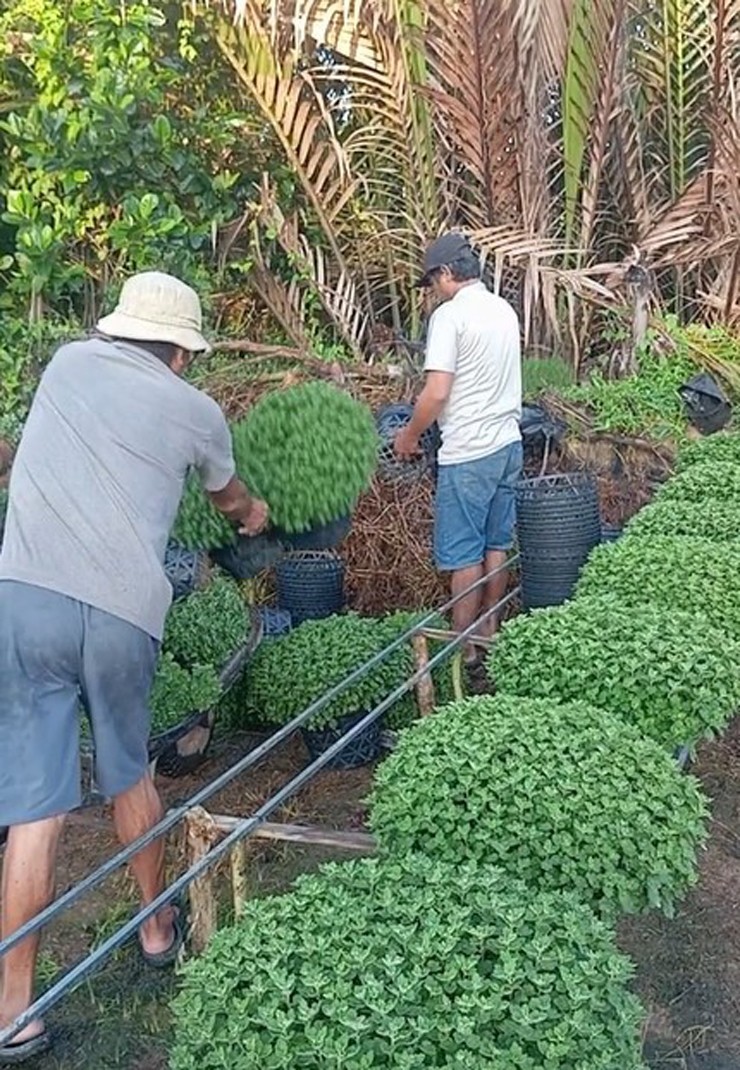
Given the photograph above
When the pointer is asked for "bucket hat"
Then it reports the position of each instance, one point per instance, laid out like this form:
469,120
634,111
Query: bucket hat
156,307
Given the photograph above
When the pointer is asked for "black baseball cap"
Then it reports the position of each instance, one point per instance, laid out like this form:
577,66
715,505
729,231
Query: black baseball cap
442,252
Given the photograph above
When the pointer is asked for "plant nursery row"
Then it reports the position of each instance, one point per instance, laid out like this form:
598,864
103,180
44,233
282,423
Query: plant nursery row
513,829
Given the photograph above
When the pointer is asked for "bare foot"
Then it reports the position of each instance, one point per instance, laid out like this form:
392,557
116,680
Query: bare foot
158,933
32,1030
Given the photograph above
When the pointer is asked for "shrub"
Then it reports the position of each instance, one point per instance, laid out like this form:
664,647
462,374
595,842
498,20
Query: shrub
560,796
207,626
718,521
674,572
288,675
409,964
178,692
707,482
541,375
646,404
720,448
201,632
309,452
672,675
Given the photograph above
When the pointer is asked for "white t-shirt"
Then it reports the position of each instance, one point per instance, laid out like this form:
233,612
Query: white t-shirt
475,335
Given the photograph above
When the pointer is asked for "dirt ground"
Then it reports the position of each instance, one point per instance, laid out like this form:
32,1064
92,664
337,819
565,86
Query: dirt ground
688,969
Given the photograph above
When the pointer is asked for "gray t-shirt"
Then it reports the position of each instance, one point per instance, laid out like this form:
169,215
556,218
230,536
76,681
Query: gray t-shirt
98,477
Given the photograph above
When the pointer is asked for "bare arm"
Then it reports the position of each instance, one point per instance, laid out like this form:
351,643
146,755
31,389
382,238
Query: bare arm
428,408
238,506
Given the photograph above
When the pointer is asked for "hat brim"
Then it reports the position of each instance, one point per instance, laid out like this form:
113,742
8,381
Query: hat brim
122,325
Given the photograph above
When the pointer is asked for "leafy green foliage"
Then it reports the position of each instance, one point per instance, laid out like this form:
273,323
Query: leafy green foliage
202,631
406,710
560,796
673,572
722,448
308,451
409,965
24,350
288,675
207,626
542,375
671,674
122,151
178,692
709,482
646,404
718,521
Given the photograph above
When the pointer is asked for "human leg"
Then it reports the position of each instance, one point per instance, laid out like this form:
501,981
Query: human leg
39,773
119,662
27,888
500,527
459,542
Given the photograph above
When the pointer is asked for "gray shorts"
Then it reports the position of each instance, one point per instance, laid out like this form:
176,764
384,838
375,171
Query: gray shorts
57,655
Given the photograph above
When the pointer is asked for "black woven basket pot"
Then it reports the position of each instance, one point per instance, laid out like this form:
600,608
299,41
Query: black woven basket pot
558,525
610,532
310,585
183,568
363,749
389,420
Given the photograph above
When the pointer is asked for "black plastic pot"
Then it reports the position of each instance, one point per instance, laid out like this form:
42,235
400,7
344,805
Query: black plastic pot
249,556
183,569
310,585
324,537
558,525
389,420
363,749
610,532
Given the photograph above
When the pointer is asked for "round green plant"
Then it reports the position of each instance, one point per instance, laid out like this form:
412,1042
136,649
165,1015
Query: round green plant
715,449
409,964
672,675
708,482
308,451
718,521
560,796
289,675
178,692
207,626
671,571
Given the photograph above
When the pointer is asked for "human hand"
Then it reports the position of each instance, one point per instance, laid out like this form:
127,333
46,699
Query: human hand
256,519
406,444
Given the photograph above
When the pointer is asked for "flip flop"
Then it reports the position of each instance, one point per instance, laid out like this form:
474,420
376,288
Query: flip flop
162,959
12,1054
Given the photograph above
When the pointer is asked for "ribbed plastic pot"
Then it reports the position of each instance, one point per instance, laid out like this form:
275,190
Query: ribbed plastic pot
610,532
183,568
389,420
558,525
310,585
364,748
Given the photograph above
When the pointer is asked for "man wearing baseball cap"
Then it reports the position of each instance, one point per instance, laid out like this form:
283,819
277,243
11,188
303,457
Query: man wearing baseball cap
473,390
94,490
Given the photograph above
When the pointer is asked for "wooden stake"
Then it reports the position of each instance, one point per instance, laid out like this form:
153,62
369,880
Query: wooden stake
201,835
240,884
425,687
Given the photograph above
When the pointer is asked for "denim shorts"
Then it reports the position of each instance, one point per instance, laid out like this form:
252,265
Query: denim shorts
58,655
475,509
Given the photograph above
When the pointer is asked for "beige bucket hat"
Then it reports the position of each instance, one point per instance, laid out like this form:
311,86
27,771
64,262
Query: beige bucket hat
155,307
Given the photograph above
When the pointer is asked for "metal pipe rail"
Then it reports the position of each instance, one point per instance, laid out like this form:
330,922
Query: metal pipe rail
92,963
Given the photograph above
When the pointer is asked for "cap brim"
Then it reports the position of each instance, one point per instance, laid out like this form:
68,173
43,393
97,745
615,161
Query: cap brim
121,325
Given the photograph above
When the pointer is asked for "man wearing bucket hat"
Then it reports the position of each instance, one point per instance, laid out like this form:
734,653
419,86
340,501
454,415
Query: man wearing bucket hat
95,487
473,390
